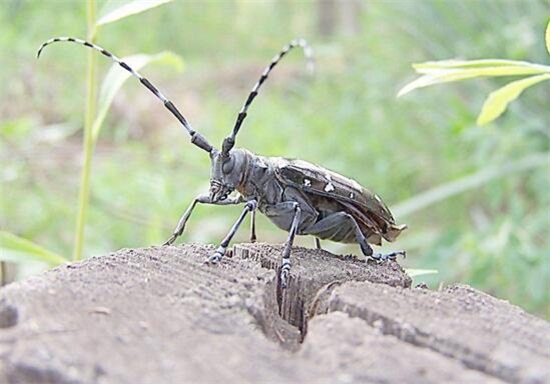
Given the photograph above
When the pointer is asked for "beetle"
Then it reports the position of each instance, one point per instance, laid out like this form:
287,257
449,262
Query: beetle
297,196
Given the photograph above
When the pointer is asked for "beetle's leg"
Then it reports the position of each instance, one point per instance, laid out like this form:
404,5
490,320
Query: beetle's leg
220,252
203,199
253,226
342,226
294,214
318,243
285,262
339,226
387,256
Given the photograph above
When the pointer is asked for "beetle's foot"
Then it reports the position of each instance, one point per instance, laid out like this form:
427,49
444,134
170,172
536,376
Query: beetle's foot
388,256
285,273
171,240
216,257
366,249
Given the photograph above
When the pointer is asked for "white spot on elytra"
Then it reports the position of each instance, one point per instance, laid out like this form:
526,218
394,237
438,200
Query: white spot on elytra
329,187
351,195
307,182
328,176
377,198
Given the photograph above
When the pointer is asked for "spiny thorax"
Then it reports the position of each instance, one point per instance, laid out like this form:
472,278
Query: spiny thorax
246,187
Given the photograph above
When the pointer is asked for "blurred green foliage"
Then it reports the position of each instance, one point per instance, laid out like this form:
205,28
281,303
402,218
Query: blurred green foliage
494,236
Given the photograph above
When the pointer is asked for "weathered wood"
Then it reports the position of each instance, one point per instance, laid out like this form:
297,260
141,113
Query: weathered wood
484,333
366,355
312,269
160,315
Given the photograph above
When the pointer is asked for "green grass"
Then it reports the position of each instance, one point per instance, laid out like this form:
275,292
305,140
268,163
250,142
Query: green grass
494,237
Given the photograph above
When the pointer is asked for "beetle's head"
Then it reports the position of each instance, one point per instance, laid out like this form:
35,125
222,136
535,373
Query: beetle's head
228,172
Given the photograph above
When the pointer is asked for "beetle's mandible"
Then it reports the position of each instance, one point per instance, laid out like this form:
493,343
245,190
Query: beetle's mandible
298,197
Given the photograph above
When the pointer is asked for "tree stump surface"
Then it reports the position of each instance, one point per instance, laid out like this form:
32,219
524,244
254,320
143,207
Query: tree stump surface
159,315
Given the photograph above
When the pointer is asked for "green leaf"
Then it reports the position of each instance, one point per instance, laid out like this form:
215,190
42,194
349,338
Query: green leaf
114,10
453,188
473,64
498,100
420,272
547,37
438,72
15,244
116,77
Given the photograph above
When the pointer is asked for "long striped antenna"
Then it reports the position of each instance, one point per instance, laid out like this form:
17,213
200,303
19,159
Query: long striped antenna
196,138
229,141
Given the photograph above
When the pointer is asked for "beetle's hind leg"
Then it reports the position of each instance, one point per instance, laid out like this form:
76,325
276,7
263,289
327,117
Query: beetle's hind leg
380,257
340,226
387,256
370,254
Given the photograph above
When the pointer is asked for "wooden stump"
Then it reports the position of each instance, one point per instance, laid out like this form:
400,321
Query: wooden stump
159,315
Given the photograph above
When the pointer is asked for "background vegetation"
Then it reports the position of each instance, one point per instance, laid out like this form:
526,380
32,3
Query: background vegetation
488,227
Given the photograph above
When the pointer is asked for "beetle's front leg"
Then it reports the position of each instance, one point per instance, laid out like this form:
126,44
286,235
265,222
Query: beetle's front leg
220,252
203,199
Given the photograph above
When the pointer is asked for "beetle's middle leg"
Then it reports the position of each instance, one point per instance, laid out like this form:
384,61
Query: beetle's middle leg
250,206
293,216
285,262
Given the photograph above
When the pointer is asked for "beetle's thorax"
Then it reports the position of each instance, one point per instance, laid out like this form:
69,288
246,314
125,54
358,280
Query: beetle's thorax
260,182
248,187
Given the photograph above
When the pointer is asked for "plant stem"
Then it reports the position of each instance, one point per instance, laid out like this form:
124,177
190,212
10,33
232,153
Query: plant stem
88,144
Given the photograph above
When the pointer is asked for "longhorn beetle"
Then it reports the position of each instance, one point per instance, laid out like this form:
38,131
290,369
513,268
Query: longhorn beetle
298,197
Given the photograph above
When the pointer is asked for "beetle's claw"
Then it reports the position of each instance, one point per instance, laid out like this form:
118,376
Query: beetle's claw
216,257
170,241
388,256
284,275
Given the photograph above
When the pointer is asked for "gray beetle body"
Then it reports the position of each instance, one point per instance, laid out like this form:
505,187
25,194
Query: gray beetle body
274,180
298,197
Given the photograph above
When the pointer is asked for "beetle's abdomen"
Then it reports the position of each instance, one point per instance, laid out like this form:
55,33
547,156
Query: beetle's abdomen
367,208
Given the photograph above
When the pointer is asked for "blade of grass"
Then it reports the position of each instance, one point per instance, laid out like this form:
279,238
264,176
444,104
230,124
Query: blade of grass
420,272
19,245
445,191
84,192
474,64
